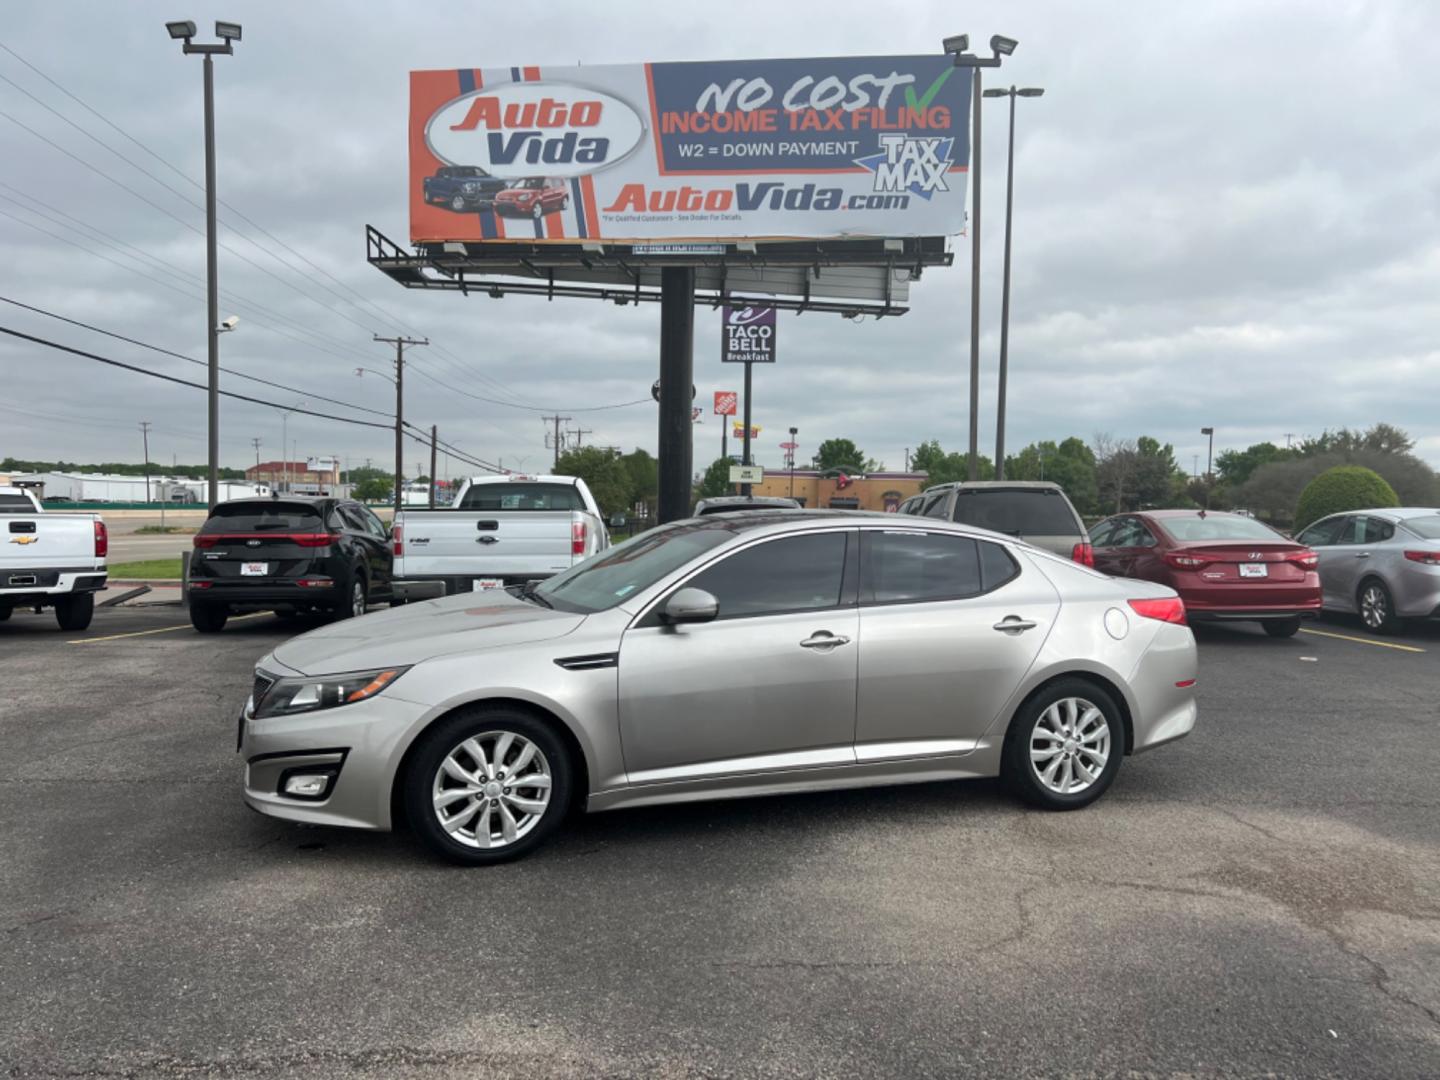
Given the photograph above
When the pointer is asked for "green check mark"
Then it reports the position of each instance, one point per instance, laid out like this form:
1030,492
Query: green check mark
929,94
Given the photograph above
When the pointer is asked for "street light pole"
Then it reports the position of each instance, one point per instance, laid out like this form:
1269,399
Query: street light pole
956,46
229,33
1012,94
1209,462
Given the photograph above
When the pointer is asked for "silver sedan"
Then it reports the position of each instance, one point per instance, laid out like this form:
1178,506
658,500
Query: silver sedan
733,655
1383,565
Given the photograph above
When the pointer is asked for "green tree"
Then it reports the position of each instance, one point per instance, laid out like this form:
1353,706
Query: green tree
841,454
716,481
1345,487
604,474
1235,467
943,468
1071,464
644,473
373,485
1378,438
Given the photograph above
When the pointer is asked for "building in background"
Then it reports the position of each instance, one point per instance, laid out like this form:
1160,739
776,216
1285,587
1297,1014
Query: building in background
95,487
843,491
318,476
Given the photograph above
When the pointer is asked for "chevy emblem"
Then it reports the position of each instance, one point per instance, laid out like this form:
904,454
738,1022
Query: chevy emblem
24,540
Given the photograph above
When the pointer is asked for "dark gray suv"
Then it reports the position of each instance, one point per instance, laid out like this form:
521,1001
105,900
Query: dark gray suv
1036,511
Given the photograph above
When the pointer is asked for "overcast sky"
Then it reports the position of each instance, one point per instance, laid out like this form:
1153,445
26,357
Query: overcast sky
1225,215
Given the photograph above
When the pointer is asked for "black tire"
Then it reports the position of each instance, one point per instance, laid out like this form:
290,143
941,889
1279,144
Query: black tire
1377,607
1282,628
1016,766
75,611
353,606
208,618
4,613
484,724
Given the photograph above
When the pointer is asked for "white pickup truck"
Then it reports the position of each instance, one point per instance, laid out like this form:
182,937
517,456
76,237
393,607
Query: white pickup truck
500,530
50,560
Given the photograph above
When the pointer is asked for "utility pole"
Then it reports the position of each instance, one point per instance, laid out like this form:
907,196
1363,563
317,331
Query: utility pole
400,343
145,435
559,440
580,434
432,466
1288,436
255,442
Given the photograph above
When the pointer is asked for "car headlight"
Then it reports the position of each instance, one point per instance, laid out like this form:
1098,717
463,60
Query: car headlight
470,189
301,695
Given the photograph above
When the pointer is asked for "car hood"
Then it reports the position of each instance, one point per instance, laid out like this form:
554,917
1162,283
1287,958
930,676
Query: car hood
465,622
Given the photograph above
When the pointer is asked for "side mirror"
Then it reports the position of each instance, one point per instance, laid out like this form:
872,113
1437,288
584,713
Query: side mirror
690,606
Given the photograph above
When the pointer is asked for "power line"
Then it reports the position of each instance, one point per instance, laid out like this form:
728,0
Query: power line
530,408
184,382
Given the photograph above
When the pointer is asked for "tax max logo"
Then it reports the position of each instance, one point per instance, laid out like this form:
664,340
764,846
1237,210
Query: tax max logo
910,163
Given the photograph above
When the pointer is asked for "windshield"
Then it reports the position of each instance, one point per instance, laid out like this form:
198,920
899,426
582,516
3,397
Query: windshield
15,504
262,517
522,496
603,581
1427,527
1217,527
1019,512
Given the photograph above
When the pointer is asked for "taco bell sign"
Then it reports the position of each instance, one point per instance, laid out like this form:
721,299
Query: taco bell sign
748,335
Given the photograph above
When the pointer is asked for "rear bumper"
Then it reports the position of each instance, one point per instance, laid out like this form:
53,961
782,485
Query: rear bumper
427,588
1195,615
25,586
264,595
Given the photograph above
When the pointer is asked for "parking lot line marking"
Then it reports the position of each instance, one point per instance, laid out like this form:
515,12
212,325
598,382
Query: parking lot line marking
1363,640
158,630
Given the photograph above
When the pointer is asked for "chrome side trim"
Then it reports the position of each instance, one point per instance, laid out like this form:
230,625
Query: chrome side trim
759,763
912,748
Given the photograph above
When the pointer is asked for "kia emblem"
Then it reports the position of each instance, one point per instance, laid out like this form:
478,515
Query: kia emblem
252,543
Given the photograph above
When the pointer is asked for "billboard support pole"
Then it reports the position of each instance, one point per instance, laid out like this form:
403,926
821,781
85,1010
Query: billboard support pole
974,470
677,380
432,465
745,488
724,433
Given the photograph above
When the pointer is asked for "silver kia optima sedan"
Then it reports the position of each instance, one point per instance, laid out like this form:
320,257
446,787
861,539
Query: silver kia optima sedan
1383,565
739,654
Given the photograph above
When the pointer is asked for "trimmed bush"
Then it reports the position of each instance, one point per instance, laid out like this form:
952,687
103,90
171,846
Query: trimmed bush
1345,487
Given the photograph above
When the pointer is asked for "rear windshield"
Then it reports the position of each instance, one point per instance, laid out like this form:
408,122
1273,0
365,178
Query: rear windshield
15,504
1428,527
1017,512
522,497
1217,527
263,517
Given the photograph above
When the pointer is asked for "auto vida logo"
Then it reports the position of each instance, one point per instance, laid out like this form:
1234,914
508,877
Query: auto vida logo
22,540
520,130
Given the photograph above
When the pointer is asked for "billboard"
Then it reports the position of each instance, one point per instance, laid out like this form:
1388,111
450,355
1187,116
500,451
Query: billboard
709,150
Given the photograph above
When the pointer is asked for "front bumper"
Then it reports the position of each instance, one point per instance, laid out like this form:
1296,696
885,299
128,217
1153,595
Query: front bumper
362,743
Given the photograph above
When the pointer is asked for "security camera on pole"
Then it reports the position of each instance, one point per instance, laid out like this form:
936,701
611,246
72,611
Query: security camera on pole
747,336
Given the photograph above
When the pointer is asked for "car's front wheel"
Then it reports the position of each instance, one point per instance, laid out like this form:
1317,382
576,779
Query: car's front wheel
75,611
486,785
208,618
1282,628
1064,746
457,203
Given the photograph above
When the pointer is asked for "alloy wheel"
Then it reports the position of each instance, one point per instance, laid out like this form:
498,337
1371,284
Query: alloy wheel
357,598
492,789
1374,609
1070,745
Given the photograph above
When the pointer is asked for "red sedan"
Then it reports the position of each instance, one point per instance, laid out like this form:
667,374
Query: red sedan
1224,566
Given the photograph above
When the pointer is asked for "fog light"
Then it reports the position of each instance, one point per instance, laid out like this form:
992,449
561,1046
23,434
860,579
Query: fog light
307,785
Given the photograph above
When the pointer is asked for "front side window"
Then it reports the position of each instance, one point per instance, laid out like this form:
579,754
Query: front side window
912,567
793,573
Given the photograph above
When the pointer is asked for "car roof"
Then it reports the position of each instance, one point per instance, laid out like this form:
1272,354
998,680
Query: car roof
997,485
271,500
1395,513
1162,514
773,522
749,500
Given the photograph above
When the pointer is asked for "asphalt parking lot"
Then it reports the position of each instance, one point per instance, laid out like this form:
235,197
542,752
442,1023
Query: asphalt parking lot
1262,898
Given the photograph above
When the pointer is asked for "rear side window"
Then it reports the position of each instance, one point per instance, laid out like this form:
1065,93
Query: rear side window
997,566
912,567
934,506
795,573
1101,534
522,496
263,517
1018,512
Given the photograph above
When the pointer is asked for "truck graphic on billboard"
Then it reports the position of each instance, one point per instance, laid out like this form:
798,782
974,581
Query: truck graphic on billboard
712,150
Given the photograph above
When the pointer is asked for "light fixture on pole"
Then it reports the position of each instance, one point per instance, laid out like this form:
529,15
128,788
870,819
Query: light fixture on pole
999,46
1012,94
228,33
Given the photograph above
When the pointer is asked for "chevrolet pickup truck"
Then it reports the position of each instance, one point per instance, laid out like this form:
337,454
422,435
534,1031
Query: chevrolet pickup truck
500,531
50,560
462,188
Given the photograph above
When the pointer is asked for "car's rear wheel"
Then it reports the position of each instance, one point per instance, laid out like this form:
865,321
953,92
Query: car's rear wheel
1282,628
1377,607
358,597
75,611
537,211
457,203
486,785
1064,746
208,618
4,613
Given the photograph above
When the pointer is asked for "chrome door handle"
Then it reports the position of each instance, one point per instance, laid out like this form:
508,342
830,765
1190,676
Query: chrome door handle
1363,555
1013,624
823,639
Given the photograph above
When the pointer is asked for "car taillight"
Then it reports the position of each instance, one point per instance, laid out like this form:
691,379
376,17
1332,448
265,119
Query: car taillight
579,530
102,540
1169,609
203,541
1429,558
398,538
1181,561
1083,553
313,539
1306,560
